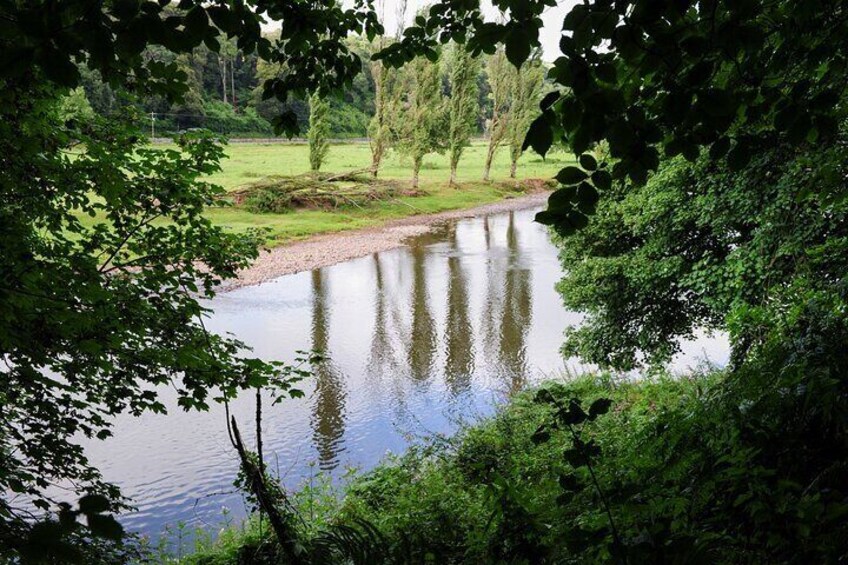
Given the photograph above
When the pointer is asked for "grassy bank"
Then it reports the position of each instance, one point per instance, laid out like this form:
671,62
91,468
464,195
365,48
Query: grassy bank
491,494
690,469
246,163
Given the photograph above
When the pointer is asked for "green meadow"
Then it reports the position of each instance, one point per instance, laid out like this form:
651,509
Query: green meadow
249,162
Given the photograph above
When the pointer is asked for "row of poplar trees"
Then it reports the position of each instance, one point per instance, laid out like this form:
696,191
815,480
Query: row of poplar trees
433,106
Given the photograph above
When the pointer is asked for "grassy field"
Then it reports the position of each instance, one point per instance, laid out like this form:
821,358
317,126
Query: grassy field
247,162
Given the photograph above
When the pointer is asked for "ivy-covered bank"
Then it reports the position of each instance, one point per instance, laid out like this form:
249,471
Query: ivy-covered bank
674,470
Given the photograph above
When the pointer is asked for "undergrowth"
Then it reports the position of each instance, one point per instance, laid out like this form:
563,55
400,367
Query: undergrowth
689,469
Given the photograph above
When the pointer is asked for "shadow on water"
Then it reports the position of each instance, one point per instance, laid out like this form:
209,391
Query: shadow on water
417,338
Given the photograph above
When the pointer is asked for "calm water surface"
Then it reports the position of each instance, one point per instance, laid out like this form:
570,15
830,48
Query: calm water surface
418,340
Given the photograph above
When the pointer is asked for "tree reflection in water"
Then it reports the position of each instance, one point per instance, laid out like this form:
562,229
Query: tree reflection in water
459,334
328,405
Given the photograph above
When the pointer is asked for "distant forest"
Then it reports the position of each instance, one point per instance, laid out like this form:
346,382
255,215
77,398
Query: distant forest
225,96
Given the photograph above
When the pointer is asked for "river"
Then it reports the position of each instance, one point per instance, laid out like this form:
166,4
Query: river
418,340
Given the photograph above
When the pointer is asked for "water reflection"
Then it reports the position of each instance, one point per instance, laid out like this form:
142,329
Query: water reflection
509,310
421,347
328,408
417,338
459,342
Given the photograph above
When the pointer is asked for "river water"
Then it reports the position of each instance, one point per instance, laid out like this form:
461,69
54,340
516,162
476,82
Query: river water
418,340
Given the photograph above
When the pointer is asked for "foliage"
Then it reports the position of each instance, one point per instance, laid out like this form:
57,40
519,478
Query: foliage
386,122
111,38
319,129
725,482
221,117
97,314
699,246
75,106
423,122
462,106
663,79
499,75
527,91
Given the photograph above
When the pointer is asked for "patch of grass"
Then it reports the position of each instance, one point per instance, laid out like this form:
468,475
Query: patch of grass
490,492
249,160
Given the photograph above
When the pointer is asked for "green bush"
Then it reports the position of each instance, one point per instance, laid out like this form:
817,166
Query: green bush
222,118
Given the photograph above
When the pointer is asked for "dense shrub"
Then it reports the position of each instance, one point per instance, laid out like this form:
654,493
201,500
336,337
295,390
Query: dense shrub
221,117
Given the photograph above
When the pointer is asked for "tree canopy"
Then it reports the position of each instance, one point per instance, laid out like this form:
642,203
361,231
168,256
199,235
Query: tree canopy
661,78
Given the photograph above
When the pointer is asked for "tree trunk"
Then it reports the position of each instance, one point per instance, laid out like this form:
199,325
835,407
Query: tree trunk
453,175
513,168
375,165
233,83
256,482
224,77
489,156
416,167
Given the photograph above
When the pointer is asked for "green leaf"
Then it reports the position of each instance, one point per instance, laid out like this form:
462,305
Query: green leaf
600,406
549,100
93,504
571,175
545,218
540,136
574,414
224,18
518,45
541,435
562,199
574,457
60,70
738,157
568,482
720,148
105,526
587,198
588,162
602,180
543,396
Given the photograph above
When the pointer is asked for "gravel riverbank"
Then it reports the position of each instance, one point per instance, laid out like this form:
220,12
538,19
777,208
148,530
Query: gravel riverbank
329,249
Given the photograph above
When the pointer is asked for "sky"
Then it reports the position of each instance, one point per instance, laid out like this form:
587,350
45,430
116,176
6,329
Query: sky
549,37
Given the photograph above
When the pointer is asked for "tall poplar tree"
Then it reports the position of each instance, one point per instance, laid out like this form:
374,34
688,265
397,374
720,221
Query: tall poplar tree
319,130
463,105
386,94
423,127
501,79
527,90
378,128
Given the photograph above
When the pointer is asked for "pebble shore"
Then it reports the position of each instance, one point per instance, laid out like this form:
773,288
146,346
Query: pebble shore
329,249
